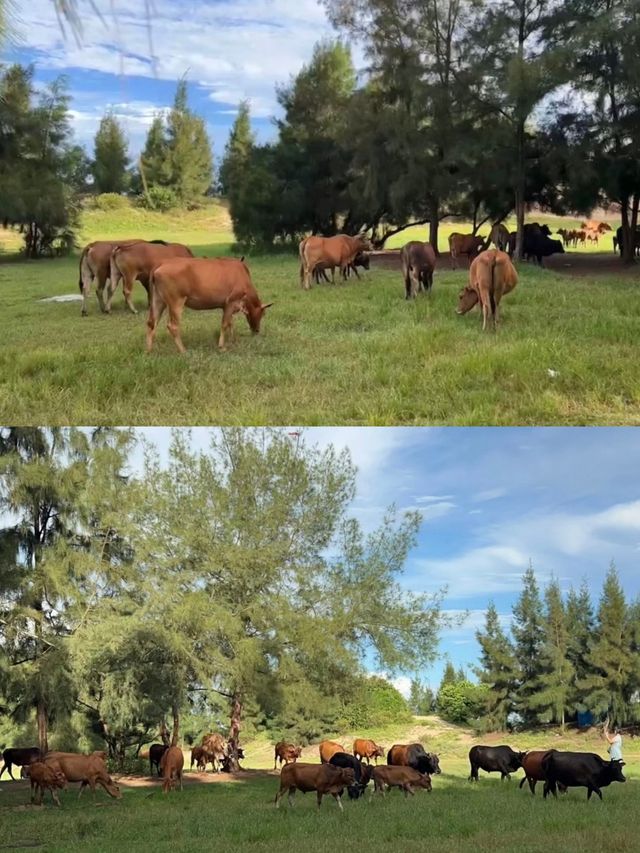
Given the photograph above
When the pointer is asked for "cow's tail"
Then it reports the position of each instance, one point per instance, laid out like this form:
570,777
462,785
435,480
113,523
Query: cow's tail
85,274
492,289
84,252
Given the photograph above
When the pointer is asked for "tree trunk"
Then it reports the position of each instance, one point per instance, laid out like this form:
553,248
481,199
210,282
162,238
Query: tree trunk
176,725
164,732
43,740
234,732
629,229
434,222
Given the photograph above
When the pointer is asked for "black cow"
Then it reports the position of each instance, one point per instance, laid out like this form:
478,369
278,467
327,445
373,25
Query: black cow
540,246
618,244
580,770
502,759
225,765
536,228
156,751
20,756
362,772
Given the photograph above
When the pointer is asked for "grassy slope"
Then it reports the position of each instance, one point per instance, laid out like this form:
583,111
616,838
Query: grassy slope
490,816
351,354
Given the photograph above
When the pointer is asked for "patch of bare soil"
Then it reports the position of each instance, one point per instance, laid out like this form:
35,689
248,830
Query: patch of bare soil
190,778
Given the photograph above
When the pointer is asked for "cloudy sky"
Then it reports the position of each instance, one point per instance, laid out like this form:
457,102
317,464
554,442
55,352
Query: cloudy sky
568,500
229,50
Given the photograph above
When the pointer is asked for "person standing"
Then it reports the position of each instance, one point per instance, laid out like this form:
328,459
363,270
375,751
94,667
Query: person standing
614,739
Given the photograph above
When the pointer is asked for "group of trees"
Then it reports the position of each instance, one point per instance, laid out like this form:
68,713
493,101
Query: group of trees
466,109
229,585
562,657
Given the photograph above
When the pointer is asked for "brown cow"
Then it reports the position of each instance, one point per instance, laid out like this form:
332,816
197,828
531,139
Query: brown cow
87,769
322,778
203,283
328,748
464,244
405,778
215,748
328,253
46,777
491,276
596,225
534,771
136,262
286,752
199,757
368,749
418,263
95,263
500,237
171,765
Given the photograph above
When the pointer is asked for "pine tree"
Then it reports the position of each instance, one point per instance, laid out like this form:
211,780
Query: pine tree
110,158
527,631
497,671
554,689
155,157
449,676
189,147
421,698
609,686
580,631
237,151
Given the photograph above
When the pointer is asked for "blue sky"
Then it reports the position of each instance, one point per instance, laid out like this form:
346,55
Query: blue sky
492,499
229,50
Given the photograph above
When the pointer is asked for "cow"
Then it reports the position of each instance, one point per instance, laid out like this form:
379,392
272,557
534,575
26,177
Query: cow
286,753
413,755
20,756
494,758
418,263
618,241
227,759
95,265
580,770
203,284
540,246
199,757
215,748
156,751
596,225
361,772
405,778
491,276
136,262
327,748
321,778
87,769
361,260
328,253
464,244
46,777
368,749
171,765
532,766
500,237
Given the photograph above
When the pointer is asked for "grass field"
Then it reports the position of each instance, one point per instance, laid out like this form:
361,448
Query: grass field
566,352
239,814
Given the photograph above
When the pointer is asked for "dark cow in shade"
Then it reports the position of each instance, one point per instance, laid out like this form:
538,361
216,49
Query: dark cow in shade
156,751
414,755
20,757
361,772
540,246
580,770
418,263
492,759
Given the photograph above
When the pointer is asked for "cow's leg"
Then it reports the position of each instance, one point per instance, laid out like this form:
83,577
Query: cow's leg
54,797
156,310
227,320
173,324
338,799
127,287
473,775
101,280
180,778
4,767
33,789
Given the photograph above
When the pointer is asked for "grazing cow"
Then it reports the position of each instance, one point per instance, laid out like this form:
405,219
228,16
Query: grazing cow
596,225
491,276
203,284
321,778
464,244
418,263
171,765
199,757
368,749
136,262
580,770
328,253
500,237
494,758
405,778
361,772
156,751
286,753
95,261
20,756
532,766
88,769
215,748
328,748
540,246
46,777
413,755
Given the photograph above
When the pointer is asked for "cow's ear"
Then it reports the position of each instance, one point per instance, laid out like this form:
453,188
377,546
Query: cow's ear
268,305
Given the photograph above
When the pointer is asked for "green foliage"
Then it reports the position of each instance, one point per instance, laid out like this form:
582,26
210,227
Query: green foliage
111,201
373,702
159,198
497,671
237,152
527,632
461,701
110,157
422,699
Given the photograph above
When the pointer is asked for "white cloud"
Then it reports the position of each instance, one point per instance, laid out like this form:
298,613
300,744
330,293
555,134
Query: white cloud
489,495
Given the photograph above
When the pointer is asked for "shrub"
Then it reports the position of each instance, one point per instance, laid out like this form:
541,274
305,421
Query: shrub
111,201
375,703
461,701
159,198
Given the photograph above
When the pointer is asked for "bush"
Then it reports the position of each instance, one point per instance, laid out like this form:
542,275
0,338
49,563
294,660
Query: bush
461,701
159,198
375,703
111,201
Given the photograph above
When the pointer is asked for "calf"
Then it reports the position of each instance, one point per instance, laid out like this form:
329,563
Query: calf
46,777
464,244
405,778
20,757
327,748
156,751
491,276
492,759
418,263
171,765
286,753
199,758
579,770
88,769
321,778
362,774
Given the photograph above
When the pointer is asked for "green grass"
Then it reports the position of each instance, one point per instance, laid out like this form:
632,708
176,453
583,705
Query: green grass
240,816
349,354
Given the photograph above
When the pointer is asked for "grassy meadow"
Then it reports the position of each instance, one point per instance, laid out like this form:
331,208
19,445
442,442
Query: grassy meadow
356,353
239,814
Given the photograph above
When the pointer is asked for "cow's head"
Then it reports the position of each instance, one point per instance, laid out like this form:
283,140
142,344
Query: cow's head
255,312
558,246
615,772
362,260
467,299
424,782
297,751
545,230
113,790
